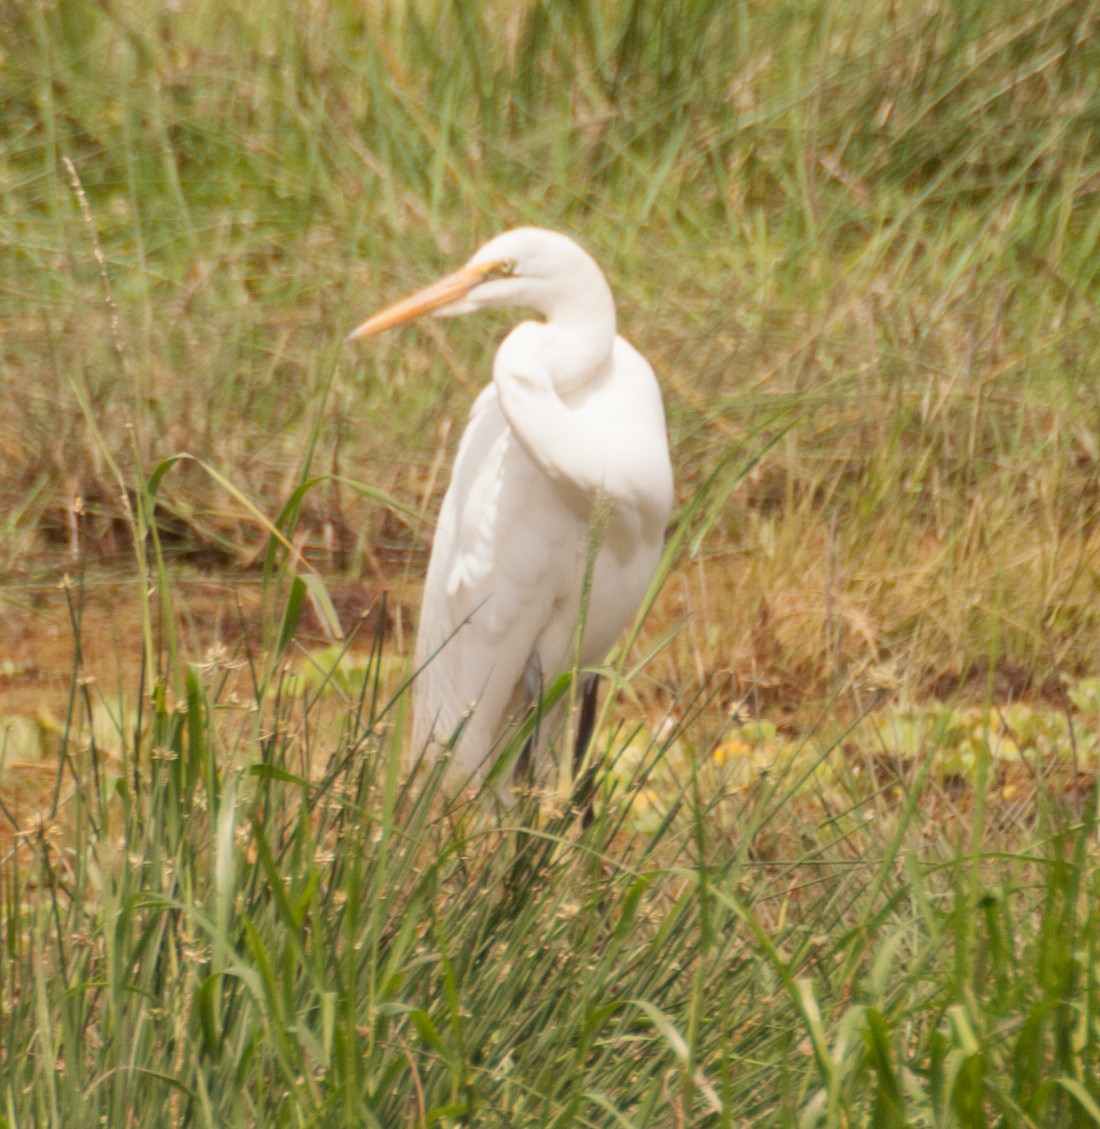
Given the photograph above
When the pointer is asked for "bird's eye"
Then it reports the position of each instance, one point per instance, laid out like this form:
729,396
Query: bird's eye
505,269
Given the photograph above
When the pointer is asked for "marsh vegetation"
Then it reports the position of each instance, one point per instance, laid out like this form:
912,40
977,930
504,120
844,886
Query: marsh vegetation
843,870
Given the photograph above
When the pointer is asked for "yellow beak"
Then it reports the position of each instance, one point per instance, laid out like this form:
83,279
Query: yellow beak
445,292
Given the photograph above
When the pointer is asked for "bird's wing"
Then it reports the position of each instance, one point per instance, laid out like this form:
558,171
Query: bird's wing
493,580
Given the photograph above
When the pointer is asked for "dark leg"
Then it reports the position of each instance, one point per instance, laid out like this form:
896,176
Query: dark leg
585,724
532,689
533,854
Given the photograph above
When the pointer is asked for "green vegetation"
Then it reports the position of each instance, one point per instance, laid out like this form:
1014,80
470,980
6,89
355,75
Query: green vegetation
843,870
301,940
876,224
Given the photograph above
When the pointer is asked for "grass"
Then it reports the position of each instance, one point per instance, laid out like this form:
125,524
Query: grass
251,929
900,258
843,871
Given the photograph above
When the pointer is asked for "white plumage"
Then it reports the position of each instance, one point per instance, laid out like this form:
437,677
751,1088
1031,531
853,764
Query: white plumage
573,413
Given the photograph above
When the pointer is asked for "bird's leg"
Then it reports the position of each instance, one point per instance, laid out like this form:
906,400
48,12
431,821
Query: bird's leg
527,849
532,691
586,723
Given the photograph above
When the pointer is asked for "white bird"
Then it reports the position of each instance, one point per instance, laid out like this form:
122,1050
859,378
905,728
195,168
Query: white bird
573,414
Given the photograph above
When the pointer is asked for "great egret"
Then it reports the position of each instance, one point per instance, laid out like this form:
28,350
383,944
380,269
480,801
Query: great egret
573,414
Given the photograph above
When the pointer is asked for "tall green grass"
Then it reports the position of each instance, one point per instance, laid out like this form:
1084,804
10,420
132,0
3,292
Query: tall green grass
246,925
880,219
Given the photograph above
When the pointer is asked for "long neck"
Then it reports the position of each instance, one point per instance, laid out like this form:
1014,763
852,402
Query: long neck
579,332
577,351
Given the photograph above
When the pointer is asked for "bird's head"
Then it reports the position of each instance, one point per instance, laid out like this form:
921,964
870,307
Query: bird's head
528,266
